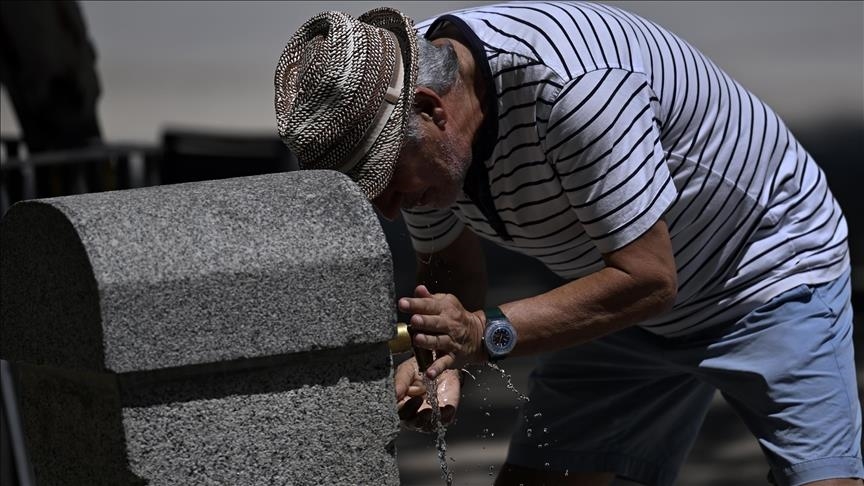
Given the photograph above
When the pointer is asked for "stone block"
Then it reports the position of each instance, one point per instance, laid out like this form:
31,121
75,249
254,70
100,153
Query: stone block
198,273
319,418
222,332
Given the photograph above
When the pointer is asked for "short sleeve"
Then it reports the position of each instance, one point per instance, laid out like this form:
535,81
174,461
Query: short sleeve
603,140
432,230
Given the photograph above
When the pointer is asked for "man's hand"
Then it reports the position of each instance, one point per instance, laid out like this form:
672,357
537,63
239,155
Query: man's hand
414,411
441,324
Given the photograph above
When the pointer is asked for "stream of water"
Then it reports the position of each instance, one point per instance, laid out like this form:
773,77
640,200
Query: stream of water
439,429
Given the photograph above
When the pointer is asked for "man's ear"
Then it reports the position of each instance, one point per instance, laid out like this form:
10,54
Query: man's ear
429,106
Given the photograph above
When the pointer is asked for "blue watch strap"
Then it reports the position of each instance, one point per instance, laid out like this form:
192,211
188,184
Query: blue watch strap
493,313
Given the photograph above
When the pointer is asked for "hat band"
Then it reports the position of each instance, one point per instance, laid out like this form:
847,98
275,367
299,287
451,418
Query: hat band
391,98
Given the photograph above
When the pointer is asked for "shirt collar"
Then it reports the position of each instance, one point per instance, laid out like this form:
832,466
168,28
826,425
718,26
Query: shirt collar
476,185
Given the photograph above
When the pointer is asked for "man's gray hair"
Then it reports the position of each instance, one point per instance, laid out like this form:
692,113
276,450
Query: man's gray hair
438,67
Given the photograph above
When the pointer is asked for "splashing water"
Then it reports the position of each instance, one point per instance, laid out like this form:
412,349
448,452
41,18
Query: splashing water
463,370
508,379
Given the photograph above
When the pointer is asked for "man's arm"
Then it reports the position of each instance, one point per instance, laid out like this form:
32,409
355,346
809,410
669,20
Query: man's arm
459,269
638,282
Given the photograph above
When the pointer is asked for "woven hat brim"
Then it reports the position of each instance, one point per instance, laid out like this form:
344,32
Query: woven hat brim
330,84
375,171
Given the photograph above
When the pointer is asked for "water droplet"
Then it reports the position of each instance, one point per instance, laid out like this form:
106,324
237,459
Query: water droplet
538,415
529,432
546,464
469,374
545,430
509,381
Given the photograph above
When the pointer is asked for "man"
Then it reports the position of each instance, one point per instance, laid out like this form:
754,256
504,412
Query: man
701,246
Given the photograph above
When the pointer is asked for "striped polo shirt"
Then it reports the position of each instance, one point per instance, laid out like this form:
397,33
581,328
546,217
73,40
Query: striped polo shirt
600,123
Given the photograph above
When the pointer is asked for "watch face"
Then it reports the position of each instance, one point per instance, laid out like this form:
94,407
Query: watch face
500,338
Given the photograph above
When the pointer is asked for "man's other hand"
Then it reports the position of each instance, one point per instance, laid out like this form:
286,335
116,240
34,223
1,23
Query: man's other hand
414,410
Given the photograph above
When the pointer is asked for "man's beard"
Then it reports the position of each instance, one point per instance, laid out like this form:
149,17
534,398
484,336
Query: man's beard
455,171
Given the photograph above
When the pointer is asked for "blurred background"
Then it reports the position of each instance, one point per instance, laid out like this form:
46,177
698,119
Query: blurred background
164,92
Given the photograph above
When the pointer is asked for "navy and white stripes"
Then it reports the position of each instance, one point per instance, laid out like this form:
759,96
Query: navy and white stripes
606,123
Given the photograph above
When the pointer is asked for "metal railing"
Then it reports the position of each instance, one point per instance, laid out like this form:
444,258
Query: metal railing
182,156
76,171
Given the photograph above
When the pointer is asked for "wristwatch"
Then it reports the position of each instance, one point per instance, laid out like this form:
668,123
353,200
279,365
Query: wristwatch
499,338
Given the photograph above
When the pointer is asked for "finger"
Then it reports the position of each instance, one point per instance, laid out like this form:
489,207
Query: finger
440,365
403,304
406,374
429,323
408,410
422,291
416,390
436,342
420,305
449,387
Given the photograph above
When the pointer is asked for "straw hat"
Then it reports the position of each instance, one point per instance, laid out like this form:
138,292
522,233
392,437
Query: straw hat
344,87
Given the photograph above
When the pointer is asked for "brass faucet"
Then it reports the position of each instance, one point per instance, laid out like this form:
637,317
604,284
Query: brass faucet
402,343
